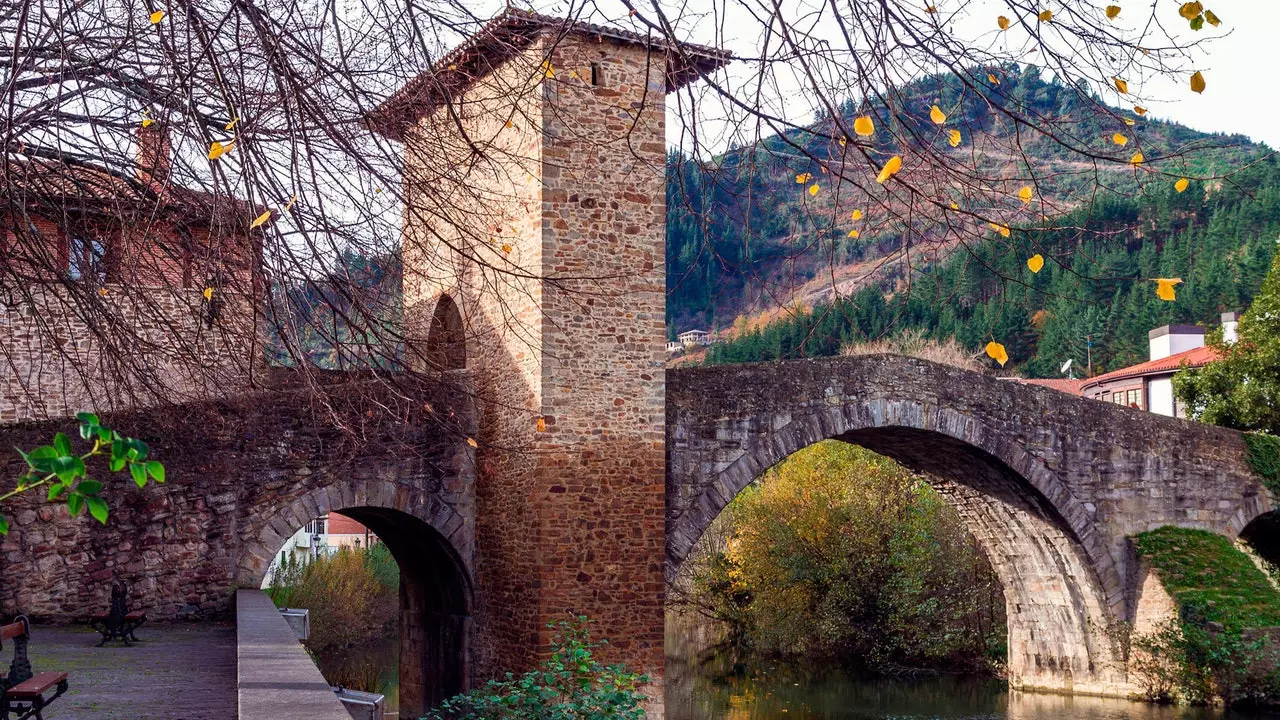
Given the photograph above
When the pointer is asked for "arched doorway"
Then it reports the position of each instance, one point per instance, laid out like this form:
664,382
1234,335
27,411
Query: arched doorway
446,339
1262,535
435,603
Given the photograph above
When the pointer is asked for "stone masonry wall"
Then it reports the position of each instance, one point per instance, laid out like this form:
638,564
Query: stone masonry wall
242,477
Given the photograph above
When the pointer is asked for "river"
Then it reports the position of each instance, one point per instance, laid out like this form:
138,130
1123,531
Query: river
764,690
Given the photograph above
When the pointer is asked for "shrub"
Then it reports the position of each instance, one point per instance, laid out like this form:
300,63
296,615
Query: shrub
1198,662
349,603
569,685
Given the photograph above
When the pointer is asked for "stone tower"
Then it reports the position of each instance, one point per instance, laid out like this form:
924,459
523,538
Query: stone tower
533,253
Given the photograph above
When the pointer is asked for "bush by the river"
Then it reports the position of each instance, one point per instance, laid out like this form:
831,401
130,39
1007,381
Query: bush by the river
842,553
569,685
353,594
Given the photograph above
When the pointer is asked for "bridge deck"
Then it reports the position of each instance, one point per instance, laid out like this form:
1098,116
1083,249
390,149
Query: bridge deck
176,672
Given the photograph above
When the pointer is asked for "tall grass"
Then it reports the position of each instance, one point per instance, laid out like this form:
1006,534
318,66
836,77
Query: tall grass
353,595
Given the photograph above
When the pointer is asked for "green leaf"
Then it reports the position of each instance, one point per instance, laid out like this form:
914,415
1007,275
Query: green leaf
89,487
41,459
75,503
104,434
4,525
1197,22
137,450
98,509
56,490
117,464
156,470
87,418
67,468
62,444
139,473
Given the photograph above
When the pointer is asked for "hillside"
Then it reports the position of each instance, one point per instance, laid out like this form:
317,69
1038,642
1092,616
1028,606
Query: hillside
745,243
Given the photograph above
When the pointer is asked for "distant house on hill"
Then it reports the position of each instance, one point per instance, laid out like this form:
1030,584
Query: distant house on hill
695,337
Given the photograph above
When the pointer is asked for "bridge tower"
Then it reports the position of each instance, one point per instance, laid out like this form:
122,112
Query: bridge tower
533,246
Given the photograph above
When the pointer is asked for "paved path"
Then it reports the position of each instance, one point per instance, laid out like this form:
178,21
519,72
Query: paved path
177,672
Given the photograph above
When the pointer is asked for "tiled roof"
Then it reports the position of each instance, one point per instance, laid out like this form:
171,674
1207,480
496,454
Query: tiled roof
508,34
1070,386
1195,357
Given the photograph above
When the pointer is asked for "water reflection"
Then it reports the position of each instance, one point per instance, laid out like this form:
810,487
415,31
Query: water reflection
371,668
722,690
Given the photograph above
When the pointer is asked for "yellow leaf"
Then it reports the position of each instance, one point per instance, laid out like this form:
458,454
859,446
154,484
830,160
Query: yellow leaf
953,137
813,189
1121,85
1002,229
208,293
937,116
857,215
931,9
260,219
955,206
853,233
844,141
991,78
156,17
547,69
102,292
1137,159
506,248
472,442
1026,193
996,352
542,424
1197,82
232,125
1129,122
864,126
1045,16
1139,110
292,200
1191,10
1119,139
803,178
1164,288
510,124
1181,185
890,169
1113,11
217,149
1035,262
1210,18
146,122
1003,22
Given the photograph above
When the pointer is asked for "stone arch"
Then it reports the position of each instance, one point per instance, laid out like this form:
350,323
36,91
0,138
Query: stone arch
1063,591
446,338
429,540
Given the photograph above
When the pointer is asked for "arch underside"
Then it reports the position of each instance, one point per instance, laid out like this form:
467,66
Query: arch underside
435,592
1061,589
1058,619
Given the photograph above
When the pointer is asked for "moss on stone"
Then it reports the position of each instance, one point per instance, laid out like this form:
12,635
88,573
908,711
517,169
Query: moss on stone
1264,456
1206,572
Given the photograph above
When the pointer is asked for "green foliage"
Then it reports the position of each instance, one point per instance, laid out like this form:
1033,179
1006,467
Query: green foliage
1210,578
1191,662
841,552
352,596
65,474
1242,389
1264,457
570,685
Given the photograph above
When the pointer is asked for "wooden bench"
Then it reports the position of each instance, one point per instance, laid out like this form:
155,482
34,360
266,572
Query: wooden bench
23,691
119,622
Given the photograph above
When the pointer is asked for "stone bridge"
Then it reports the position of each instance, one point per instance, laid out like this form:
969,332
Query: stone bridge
1051,485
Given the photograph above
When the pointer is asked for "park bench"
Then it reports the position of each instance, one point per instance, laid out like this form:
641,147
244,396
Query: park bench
23,692
119,622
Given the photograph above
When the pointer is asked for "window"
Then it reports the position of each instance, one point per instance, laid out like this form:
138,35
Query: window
317,526
1135,398
87,260
597,75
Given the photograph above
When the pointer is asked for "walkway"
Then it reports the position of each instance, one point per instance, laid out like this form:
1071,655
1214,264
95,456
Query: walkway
176,672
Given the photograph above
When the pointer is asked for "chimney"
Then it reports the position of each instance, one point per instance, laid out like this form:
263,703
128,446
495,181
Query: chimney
154,155
1230,327
1174,339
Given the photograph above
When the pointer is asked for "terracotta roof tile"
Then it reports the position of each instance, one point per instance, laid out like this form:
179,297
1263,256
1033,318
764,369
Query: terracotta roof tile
1070,386
1195,357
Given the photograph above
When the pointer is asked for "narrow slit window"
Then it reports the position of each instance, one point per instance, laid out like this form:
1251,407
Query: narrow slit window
597,75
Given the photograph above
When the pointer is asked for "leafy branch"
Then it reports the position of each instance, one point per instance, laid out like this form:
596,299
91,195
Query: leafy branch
65,473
